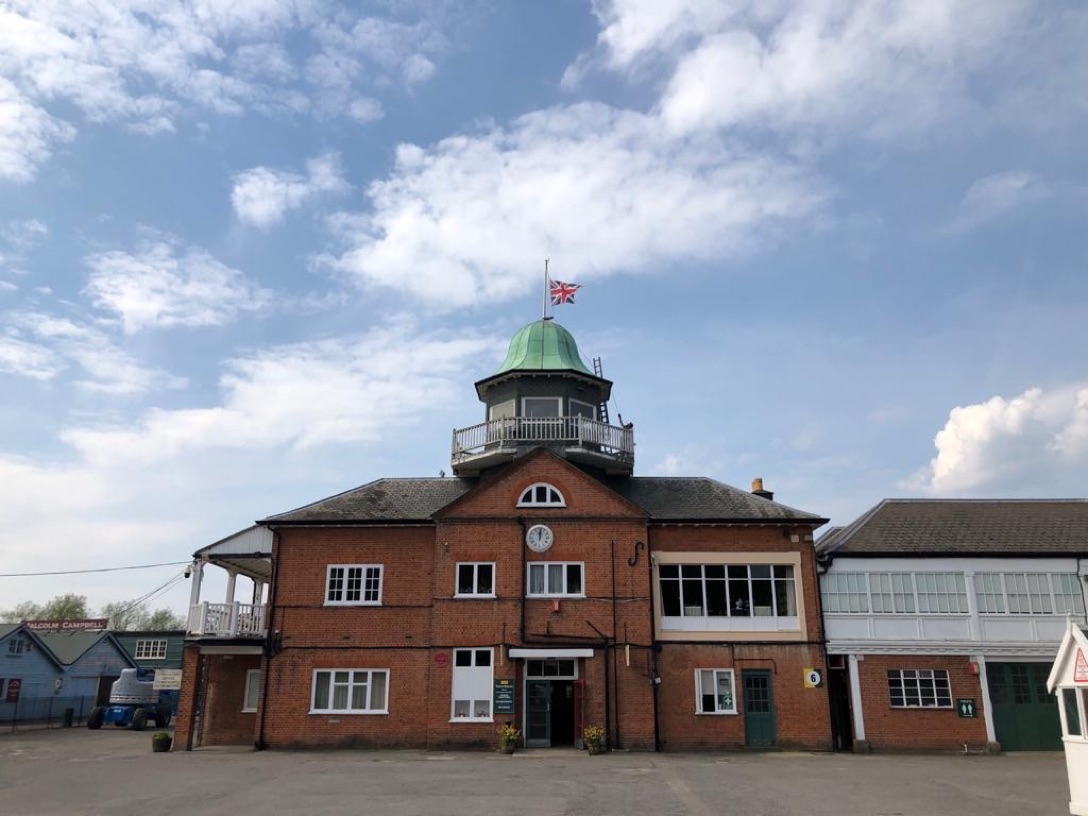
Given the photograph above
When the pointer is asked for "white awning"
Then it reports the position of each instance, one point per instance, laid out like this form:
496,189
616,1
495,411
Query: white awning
540,654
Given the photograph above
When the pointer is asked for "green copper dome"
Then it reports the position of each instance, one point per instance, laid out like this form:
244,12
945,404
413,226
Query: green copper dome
543,346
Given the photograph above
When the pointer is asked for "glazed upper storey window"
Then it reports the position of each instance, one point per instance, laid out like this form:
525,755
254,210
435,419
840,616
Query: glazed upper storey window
728,597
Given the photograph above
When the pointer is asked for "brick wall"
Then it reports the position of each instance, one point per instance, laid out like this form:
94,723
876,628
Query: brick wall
914,728
224,722
413,632
801,715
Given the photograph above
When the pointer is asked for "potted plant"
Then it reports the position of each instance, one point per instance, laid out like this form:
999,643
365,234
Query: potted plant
593,737
161,741
508,738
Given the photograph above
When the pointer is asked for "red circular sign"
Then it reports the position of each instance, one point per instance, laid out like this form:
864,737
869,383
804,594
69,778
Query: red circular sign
441,659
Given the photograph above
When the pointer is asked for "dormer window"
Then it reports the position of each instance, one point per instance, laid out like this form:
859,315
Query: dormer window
541,495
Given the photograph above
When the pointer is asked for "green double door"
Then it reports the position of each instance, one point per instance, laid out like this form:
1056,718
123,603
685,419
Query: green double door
1025,715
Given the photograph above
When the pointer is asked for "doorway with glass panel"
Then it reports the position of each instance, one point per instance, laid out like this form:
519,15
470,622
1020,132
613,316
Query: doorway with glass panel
551,702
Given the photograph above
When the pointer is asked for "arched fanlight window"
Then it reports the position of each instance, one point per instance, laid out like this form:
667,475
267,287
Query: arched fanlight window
541,494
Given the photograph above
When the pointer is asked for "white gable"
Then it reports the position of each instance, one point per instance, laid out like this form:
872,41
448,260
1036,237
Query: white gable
1071,664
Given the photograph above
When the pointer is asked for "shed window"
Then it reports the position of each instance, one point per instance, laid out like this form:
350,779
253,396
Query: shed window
1072,713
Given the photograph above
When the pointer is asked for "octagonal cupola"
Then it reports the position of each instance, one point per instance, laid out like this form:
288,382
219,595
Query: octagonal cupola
544,395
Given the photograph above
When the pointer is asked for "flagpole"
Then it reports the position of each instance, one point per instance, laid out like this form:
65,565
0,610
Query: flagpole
546,288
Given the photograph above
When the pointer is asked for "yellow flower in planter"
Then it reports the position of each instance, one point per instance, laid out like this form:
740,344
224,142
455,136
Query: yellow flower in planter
593,735
508,733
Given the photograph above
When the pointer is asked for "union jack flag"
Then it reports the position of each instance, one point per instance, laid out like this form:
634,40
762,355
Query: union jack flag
563,292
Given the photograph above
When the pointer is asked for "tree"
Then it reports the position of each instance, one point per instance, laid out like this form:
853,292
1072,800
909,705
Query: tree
62,607
66,607
127,615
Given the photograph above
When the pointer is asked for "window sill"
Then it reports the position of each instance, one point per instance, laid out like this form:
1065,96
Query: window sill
715,713
492,596
249,711
923,708
327,713
472,720
352,603
555,597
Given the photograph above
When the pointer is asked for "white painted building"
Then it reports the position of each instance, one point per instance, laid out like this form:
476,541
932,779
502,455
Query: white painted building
942,619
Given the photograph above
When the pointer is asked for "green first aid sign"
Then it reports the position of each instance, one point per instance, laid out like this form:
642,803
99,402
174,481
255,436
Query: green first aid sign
965,707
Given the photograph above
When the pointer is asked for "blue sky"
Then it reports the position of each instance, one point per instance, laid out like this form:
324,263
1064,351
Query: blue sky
252,254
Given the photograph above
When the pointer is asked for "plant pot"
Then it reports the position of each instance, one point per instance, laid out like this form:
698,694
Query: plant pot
594,748
508,747
161,745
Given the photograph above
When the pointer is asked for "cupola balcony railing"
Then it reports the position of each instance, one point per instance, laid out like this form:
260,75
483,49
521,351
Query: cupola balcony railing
509,432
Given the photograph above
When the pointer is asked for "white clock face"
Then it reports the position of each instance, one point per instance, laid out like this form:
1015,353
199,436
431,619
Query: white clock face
539,538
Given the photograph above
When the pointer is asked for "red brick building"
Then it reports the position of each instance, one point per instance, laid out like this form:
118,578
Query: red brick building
542,585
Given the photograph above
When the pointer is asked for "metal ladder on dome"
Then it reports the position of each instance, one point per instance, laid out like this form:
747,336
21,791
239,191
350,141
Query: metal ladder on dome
604,405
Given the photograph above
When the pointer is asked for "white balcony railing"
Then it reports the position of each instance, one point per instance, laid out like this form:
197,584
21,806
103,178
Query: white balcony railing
227,620
607,439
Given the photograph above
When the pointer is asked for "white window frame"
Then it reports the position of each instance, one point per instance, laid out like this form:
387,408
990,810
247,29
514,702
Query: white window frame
364,568
151,649
457,593
351,684
699,692
592,409
921,676
558,410
995,592
546,565
553,497
891,592
747,611
473,684
252,690
18,646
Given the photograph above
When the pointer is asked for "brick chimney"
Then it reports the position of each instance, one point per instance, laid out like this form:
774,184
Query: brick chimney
757,489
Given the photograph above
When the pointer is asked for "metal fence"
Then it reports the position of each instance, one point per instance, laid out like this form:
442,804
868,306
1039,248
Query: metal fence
45,712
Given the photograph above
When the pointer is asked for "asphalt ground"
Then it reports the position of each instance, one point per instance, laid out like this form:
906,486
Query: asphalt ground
77,771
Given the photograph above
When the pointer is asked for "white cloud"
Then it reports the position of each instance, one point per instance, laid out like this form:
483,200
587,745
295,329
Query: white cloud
1034,442
996,195
107,367
302,395
599,190
160,286
23,233
27,134
366,109
7,286
147,64
875,69
262,195
28,359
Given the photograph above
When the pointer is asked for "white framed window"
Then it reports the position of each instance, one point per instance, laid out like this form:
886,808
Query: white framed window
583,410
727,590
353,585
472,686
1028,593
556,579
476,580
350,691
542,407
845,592
714,692
253,690
541,494
18,646
151,649
901,593
919,688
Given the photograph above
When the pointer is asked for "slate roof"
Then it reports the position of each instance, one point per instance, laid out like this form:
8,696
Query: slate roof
384,500
965,527
68,647
668,498
663,498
